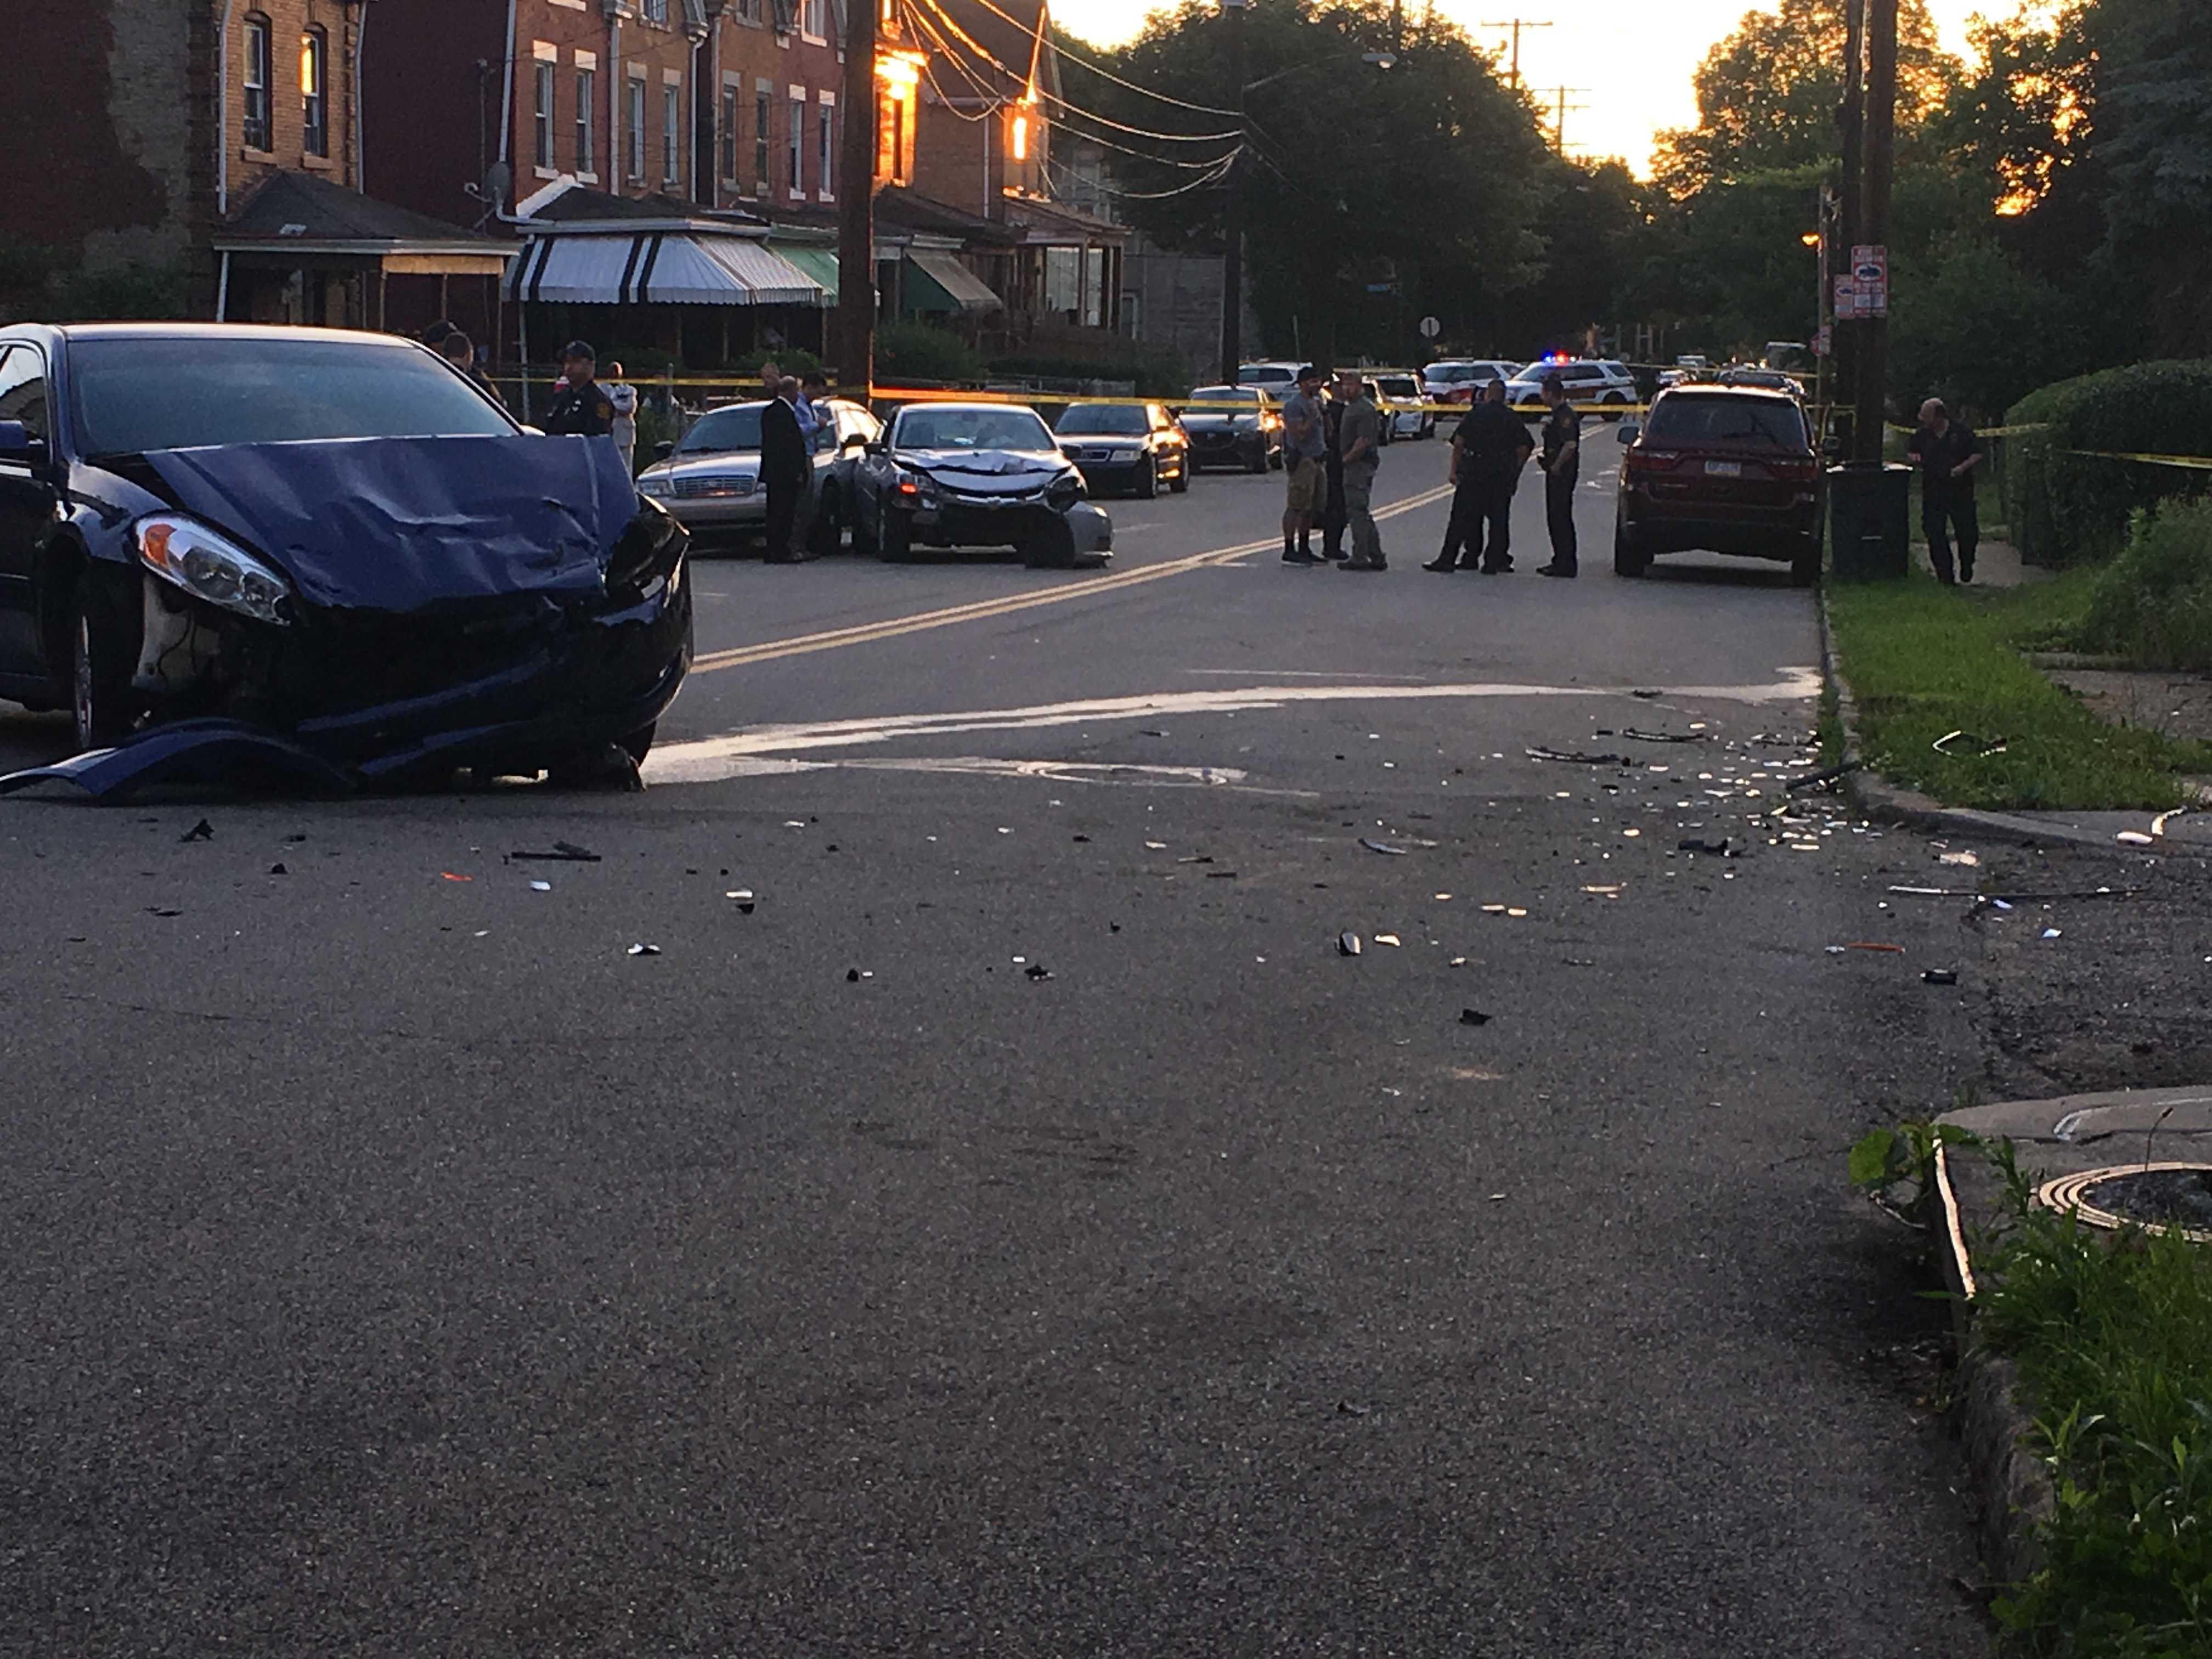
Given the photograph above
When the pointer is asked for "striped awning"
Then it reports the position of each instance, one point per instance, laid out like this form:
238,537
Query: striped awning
659,267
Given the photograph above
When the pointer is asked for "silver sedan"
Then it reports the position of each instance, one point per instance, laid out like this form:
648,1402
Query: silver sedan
710,478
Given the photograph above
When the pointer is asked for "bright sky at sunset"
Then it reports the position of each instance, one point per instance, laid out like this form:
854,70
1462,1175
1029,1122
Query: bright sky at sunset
1634,61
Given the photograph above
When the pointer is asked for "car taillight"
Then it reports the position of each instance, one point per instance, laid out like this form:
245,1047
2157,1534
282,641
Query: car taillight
1802,470
1652,460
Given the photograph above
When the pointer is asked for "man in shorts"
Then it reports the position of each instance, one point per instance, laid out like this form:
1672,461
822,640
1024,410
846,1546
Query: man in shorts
1305,467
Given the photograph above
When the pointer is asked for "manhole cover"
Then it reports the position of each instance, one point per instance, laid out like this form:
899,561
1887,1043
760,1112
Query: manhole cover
2156,1197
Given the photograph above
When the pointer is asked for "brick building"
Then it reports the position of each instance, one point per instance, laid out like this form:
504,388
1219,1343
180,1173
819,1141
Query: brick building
181,116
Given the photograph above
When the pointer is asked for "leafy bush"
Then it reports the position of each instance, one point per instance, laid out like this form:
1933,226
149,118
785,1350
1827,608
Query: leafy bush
916,354
2154,602
2066,507
795,361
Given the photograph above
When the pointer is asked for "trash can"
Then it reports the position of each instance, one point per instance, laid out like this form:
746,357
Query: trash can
1869,517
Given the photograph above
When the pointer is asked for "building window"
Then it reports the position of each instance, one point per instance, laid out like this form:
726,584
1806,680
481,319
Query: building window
815,21
656,12
545,119
314,92
671,133
729,133
634,119
763,115
586,149
749,11
795,141
825,126
256,87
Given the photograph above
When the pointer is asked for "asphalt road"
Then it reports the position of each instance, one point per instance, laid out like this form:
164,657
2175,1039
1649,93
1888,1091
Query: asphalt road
396,1264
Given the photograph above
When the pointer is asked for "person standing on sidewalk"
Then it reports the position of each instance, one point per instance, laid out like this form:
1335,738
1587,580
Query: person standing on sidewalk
1333,520
1487,453
1359,443
581,408
1305,474
1562,464
1947,452
786,470
624,396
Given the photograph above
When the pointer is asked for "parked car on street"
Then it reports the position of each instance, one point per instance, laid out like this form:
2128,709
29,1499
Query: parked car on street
1457,380
304,549
1223,437
1587,381
1277,377
1729,469
1403,394
710,478
974,475
1126,446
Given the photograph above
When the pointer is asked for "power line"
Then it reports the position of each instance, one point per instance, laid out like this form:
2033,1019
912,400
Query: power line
1108,75
1515,24
1214,175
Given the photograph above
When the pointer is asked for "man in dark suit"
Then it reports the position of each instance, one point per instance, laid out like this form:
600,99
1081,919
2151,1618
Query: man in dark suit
787,470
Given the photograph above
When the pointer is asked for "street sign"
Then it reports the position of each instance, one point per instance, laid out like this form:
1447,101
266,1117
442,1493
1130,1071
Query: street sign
1847,300
1431,328
1870,270
1824,342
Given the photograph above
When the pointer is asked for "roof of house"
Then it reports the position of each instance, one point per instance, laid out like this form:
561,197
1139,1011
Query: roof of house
896,205
305,207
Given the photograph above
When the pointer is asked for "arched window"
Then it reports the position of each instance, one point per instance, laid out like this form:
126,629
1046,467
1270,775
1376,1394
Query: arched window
314,92
255,82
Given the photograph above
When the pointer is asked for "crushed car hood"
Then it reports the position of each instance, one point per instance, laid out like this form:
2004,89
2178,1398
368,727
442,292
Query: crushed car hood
986,471
398,523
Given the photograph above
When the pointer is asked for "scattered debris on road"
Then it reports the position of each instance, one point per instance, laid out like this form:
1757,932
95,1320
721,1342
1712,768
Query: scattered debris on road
564,852
644,951
1941,976
201,831
1348,945
1472,1017
1384,847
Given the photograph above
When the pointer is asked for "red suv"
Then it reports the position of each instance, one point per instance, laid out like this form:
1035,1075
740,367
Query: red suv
1729,468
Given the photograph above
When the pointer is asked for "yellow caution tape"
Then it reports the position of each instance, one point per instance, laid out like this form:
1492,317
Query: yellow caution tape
2194,463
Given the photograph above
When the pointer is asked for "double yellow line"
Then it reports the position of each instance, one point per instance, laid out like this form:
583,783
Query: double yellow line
921,622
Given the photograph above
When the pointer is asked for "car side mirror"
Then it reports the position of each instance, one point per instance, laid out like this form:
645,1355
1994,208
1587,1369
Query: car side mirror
1628,432
875,446
664,449
16,443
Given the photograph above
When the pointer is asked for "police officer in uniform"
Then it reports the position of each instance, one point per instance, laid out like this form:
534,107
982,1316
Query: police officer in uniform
581,409
1562,464
1487,453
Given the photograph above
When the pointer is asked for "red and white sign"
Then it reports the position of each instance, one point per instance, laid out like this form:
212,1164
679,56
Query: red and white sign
1870,271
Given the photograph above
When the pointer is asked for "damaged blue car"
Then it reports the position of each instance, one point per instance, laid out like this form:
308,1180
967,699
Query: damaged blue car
323,549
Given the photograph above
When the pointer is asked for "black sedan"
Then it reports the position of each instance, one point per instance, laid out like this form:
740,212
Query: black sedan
293,549
959,475
1133,446
1233,426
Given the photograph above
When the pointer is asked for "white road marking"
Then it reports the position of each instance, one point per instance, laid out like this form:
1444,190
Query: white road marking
707,759
1055,771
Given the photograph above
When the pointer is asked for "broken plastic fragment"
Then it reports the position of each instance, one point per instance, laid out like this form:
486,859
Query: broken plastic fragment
1037,970
1156,846
1472,1017
2134,838
201,831
2051,933
743,898
278,870
449,876
1517,912
644,950
1941,976
564,852
1374,846
1972,860
1390,939
1348,945
541,886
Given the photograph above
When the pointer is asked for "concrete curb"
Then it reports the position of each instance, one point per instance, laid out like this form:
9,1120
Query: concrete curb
1873,796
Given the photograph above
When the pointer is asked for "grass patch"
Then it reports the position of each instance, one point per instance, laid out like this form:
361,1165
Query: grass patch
2113,1334
1922,660
2114,1339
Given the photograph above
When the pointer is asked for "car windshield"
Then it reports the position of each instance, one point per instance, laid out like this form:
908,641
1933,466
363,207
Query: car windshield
738,428
1400,386
1224,394
1265,375
1103,418
1453,374
1678,419
135,395
972,428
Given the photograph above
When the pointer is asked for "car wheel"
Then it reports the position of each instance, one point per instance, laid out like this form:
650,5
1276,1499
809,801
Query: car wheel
1805,566
1615,398
1258,461
1629,558
897,546
1275,460
103,655
1181,484
1148,482
864,539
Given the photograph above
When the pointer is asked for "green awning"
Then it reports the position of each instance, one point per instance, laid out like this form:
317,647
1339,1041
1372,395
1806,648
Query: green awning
938,282
819,263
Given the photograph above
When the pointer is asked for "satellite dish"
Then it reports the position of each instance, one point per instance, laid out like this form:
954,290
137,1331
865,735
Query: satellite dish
497,181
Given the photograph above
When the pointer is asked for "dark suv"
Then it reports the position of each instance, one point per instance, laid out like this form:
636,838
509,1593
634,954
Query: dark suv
1729,468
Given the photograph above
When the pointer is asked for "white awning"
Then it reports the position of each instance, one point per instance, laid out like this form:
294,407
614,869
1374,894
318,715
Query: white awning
693,268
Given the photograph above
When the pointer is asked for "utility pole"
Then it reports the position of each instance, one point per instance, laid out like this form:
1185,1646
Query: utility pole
1850,119
856,210
1232,230
1515,24
1872,357
1560,119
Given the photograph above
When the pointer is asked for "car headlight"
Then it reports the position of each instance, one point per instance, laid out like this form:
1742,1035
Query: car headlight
916,486
209,565
659,488
1064,492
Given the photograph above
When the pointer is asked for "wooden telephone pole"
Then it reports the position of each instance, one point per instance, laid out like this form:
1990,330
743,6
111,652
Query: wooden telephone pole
1515,24
856,210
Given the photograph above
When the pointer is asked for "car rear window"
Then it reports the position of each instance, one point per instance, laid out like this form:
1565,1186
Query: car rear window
1105,418
1679,418
135,395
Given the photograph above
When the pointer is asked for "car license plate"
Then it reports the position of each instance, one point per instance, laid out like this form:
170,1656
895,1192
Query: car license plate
1724,469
